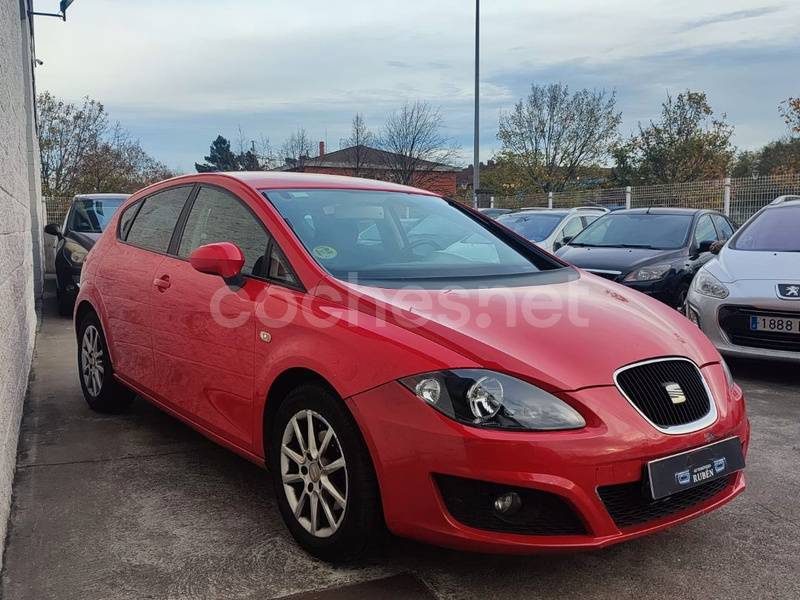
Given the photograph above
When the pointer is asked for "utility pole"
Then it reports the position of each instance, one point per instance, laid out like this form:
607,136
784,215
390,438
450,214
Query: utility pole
476,162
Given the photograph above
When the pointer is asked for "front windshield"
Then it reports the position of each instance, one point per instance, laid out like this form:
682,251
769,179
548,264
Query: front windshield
395,237
641,230
774,230
535,228
89,215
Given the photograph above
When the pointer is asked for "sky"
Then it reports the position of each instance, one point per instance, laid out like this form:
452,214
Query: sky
177,73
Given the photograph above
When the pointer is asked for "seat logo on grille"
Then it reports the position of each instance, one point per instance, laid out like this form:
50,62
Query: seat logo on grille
675,392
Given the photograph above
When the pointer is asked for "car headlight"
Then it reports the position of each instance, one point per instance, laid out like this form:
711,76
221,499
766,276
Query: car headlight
648,273
706,284
75,252
493,400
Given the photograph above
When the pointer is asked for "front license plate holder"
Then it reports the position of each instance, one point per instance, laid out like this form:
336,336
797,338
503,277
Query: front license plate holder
686,470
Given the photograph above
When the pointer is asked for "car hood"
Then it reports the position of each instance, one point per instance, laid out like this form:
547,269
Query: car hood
87,240
615,259
599,327
741,265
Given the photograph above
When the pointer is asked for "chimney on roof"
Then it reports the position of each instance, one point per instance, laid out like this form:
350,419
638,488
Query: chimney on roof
322,148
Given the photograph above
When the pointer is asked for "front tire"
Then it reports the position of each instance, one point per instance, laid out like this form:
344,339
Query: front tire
101,390
682,300
324,480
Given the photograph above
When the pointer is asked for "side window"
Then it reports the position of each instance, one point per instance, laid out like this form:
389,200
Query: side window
126,219
705,231
153,226
571,229
218,216
589,219
723,227
279,268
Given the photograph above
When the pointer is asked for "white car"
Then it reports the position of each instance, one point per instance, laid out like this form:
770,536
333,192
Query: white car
747,300
550,229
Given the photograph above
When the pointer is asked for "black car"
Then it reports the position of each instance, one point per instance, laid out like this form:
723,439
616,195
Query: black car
656,251
86,218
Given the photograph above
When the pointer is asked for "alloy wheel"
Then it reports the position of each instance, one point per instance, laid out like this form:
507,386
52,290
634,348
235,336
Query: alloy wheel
92,361
314,473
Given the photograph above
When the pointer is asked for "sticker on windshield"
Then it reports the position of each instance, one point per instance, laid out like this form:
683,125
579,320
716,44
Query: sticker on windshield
324,252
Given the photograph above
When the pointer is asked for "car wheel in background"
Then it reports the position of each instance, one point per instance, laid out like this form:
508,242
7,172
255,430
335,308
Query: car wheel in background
101,389
65,304
325,483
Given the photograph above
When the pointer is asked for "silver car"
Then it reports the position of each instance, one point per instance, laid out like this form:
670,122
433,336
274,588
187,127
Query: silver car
747,301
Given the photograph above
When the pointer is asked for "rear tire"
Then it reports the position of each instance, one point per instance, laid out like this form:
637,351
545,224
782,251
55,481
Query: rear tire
326,489
101,389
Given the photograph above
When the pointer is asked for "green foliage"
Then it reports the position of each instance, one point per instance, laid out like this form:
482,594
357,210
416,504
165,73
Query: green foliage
790,112
776,158
551,135
687,144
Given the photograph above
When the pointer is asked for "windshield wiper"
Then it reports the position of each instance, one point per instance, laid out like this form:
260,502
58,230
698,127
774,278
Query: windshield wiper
582,245
627,246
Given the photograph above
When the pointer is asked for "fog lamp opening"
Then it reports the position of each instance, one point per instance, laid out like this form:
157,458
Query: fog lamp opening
508,504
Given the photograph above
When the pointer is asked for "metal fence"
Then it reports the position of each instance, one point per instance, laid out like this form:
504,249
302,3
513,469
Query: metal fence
55,208
737,198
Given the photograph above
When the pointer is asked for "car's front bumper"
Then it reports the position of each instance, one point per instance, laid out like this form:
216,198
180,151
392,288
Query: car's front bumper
411,445
756,296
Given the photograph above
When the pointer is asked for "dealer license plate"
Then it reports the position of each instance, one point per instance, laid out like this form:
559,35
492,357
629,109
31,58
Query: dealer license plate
684,471
775,324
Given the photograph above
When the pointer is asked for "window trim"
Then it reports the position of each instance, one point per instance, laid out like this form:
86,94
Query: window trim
180,228
141,202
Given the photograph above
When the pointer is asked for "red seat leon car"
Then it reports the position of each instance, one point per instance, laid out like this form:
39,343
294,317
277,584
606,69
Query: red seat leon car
398,360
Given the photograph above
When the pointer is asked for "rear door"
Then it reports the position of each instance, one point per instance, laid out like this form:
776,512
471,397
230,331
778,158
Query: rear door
125,276
203,330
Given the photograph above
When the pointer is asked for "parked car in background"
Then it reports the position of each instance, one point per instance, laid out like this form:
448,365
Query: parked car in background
748,300
656,251
378,385
494,212
550,229
87,216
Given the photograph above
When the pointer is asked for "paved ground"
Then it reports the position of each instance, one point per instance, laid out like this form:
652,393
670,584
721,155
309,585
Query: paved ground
140,506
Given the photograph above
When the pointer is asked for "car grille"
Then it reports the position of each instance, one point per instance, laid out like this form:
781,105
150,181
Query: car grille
735,323
630,504
645,386
541,513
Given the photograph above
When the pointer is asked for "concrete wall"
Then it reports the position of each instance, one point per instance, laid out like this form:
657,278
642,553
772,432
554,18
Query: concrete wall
21,253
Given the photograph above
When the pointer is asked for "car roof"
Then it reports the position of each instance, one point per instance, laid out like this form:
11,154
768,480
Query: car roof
101,196
790,200
529,213
282,180
661,210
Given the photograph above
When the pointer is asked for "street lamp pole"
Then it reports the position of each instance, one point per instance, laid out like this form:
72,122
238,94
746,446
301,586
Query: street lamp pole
476,176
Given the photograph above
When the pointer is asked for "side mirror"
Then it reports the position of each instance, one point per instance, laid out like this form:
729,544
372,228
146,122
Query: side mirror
716,247
53,230
224,259
705,246
567,239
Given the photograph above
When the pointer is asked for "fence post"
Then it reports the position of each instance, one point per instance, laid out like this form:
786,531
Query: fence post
727,202
491,202
628,197
549,199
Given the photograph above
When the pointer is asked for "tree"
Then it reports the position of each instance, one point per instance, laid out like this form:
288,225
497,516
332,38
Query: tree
220,157
551,134
687,144
790,112
415,147
81,152
776,158
297,149
357,146
67,133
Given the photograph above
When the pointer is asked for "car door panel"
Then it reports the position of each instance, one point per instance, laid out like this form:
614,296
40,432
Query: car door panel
203,337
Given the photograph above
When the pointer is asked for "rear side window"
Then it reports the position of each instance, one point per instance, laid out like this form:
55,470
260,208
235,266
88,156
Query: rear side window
126,219
155,222
217,216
